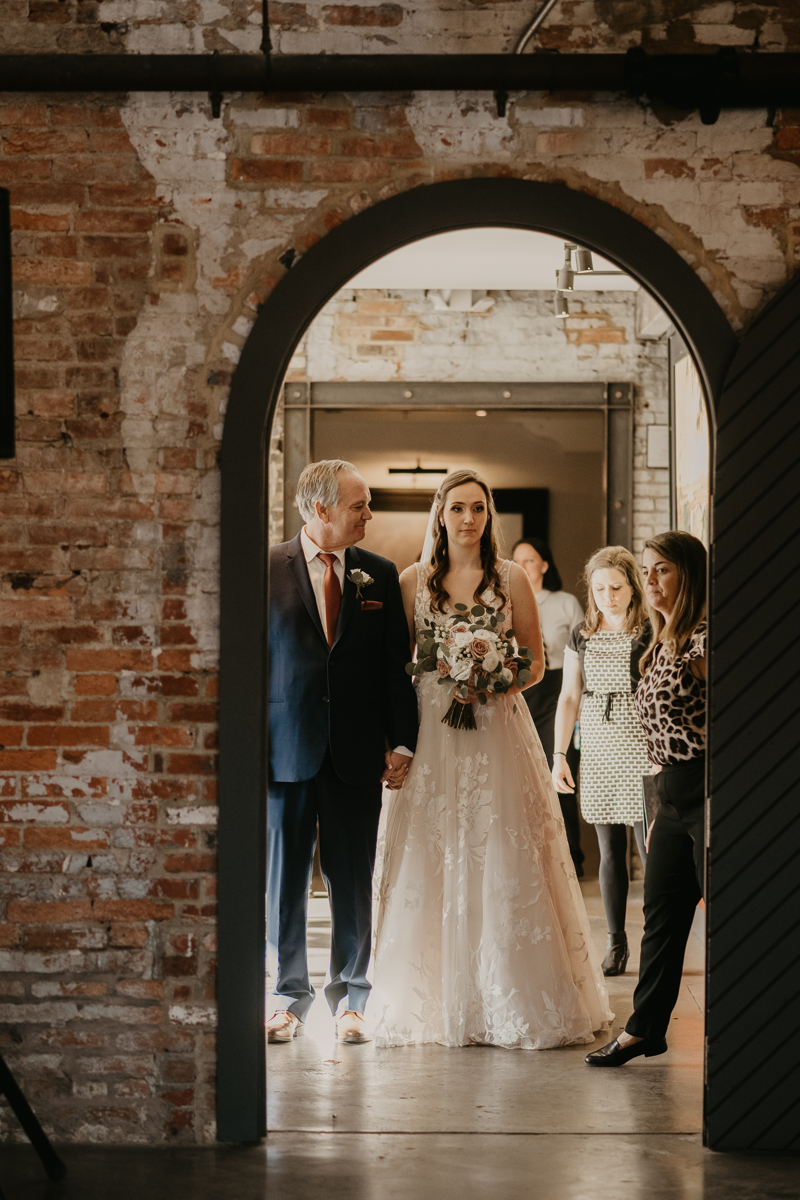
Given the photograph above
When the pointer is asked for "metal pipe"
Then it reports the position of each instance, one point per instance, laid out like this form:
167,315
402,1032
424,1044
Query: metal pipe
538,20
726,79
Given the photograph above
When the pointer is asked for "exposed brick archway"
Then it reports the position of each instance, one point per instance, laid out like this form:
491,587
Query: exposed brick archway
284,317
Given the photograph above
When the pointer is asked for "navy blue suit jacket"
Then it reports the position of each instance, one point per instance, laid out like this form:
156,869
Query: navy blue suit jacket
354,697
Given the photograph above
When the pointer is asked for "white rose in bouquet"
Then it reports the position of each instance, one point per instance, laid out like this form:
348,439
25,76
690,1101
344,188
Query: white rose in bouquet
492,661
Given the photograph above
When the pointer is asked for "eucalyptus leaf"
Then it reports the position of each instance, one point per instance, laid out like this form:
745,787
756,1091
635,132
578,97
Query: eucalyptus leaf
478,610
410,668
460,607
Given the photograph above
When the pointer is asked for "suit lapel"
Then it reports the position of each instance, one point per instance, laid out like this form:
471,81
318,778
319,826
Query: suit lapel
351,560
298,569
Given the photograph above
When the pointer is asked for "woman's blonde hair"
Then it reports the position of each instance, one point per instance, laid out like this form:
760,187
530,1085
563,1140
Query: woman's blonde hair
488,545
618,559
688,554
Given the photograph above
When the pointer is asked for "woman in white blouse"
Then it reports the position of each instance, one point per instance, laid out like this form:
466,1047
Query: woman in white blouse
559,613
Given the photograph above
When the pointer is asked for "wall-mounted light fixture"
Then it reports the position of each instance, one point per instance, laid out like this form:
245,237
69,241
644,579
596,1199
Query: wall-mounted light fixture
417,470
565,276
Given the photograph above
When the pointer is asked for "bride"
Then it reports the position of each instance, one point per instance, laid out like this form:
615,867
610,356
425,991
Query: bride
481,934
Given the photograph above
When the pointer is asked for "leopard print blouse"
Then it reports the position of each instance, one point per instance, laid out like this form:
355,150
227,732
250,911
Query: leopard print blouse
671,703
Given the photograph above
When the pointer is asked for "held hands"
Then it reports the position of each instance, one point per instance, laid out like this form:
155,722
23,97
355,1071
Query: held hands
561,774
396,770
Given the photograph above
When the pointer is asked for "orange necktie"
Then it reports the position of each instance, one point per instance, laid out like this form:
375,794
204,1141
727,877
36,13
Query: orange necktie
333,596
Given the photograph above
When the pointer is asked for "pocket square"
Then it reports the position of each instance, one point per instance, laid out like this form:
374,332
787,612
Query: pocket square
371,605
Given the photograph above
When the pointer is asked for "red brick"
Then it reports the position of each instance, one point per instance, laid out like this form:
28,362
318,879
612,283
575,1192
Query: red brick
95,168
132,936
9,936
38,837
116,247
190,864
11,735
68,735
383,15
28,760
34,115
177,635
291,144
24,170
20,219
328,118
51,271
109,660
94,710
9,838
74,114
175,660
178,1070
256,170
403,146
157,735
91,938
200,713
187,764
33,912
141,989
95,685
132,910
334,171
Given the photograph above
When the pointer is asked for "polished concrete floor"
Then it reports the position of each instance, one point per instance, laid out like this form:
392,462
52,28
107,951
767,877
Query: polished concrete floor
356,1123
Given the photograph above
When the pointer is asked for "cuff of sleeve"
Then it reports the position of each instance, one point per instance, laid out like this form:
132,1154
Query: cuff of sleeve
403,750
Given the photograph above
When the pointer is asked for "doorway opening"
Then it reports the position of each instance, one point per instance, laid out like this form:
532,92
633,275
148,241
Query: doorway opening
254,399
567,417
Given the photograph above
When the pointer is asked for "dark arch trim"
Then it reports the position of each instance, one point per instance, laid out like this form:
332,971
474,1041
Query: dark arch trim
284,317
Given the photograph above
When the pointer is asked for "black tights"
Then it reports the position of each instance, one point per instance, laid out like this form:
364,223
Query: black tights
613,841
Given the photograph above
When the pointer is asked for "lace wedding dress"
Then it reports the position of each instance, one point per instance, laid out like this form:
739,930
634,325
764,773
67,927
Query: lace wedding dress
481,931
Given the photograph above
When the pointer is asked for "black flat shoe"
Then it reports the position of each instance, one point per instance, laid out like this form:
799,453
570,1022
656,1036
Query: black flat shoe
617,954
614,1055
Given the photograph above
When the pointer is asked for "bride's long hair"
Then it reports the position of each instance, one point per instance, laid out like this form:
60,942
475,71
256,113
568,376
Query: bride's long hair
488,545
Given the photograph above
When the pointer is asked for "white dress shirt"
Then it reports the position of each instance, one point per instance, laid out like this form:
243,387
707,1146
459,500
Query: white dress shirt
317,569
316,573
559,613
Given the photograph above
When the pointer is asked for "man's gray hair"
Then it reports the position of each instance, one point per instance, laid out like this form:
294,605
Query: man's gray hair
320,482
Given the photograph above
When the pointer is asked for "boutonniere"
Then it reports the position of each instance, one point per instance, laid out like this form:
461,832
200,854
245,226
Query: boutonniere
362,580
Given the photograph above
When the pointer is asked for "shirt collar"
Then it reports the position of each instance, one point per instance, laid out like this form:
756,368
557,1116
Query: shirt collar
311,549
542,595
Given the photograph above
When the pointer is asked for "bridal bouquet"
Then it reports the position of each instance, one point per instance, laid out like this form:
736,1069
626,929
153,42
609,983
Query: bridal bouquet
475,657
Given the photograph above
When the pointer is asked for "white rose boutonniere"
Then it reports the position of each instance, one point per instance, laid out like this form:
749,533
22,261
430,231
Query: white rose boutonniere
362,580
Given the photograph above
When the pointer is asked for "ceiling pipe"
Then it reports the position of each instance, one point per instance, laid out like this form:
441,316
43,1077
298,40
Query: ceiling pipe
710,82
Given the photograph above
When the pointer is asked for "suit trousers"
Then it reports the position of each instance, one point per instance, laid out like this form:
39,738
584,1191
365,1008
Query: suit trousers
673,886
348,818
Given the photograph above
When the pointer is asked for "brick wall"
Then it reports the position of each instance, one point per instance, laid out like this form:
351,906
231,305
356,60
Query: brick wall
145,235
400,335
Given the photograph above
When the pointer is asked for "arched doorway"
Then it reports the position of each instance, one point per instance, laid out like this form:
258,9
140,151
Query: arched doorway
549,208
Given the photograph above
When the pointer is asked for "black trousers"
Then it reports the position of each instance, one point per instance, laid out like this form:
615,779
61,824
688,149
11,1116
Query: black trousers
673,886
542,702
348,818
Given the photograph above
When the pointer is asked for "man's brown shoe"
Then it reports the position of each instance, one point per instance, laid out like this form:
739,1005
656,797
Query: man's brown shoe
352,1028
283,1026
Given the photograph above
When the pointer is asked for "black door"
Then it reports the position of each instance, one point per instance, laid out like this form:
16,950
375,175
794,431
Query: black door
753,1066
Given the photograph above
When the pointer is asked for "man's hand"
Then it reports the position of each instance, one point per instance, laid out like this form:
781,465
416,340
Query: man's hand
396,770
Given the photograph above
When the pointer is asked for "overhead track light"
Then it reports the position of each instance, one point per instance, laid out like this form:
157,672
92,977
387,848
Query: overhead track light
583,260
562,305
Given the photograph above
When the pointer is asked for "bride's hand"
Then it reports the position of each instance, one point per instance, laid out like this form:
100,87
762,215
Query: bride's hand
561,775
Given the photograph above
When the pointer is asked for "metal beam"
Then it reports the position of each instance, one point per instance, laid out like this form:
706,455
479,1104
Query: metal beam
724,78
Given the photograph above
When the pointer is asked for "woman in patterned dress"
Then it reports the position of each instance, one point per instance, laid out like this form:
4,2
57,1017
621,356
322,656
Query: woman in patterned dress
601,672
671,703
482,935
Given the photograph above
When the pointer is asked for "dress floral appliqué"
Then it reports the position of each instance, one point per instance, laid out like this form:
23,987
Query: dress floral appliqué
482,935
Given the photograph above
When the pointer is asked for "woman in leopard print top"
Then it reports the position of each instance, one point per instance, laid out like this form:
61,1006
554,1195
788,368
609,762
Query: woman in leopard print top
671,703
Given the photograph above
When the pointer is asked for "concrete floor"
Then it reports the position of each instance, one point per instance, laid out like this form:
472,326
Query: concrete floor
356,1123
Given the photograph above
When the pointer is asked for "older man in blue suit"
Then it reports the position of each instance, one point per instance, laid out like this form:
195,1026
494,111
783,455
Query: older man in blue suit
342,720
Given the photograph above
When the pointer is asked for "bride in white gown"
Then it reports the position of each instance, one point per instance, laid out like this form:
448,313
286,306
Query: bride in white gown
482,935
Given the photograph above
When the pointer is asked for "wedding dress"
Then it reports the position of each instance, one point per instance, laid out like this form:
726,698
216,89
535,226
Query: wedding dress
481,931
